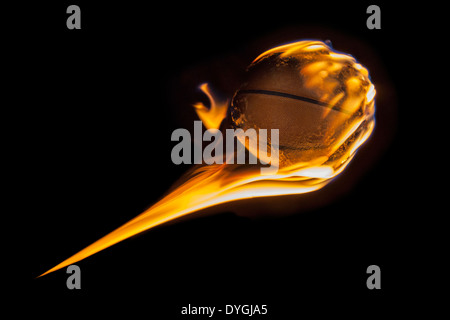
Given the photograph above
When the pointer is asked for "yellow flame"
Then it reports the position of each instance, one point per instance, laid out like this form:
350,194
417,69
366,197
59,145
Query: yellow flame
208,185
370,94
213,116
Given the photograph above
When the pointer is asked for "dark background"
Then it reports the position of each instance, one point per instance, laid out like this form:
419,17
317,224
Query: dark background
92,118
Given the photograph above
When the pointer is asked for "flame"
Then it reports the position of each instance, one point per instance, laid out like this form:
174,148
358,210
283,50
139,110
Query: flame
213,116
209,185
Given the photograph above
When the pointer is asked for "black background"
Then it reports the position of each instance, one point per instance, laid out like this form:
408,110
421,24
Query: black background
92,118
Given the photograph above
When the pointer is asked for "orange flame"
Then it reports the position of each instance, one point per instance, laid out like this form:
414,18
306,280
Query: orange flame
210,185
213,116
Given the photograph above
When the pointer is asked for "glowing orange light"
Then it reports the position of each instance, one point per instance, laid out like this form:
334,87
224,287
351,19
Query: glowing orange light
213,116
210,185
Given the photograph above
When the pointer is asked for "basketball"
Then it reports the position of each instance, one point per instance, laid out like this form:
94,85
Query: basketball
320,100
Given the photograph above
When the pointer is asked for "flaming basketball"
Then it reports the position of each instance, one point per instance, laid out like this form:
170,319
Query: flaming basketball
322,103
320,100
